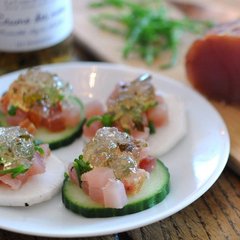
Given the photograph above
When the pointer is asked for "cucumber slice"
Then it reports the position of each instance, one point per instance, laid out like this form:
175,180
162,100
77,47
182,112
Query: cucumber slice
154,190
65,137
58,139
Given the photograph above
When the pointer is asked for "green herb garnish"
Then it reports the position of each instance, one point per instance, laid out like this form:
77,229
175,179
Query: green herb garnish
152,128
39,150
147,28
14,171
81,167
12,110
106,119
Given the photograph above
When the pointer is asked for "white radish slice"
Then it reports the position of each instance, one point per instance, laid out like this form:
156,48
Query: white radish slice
38,188
166,137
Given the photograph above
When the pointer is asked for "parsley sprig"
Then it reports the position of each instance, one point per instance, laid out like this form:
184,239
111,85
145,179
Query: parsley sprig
81,167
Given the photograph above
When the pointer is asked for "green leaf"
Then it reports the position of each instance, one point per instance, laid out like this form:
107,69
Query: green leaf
12,110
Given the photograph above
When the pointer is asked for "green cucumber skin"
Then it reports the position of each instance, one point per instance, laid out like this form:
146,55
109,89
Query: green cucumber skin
64,138
67,140
98,211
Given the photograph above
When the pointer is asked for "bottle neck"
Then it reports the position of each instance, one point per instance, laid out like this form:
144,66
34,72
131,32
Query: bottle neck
34,25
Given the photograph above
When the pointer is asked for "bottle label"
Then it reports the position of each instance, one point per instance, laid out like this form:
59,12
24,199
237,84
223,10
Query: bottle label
27,25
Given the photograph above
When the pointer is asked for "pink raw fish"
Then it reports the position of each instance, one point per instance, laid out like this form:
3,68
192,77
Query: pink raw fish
114,194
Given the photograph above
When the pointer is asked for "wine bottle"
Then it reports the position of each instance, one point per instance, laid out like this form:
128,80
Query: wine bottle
34,32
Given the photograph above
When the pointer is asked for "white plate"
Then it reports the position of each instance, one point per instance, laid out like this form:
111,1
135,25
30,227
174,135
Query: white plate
194,164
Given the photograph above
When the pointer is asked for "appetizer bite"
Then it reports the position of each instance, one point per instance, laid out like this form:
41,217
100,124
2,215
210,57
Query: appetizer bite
29,173
136,108
114,176
44,105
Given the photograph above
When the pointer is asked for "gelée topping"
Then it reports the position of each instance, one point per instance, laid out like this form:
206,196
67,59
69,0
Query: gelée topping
114,149
37,87
129,101
16,147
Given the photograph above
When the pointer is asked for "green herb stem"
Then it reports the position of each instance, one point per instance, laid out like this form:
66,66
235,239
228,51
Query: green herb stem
106,119
147,28
81,167
14,171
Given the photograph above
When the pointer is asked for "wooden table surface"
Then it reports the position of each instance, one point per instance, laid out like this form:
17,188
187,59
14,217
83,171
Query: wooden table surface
215,215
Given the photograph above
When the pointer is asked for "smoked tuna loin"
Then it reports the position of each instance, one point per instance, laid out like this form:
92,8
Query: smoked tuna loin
213,63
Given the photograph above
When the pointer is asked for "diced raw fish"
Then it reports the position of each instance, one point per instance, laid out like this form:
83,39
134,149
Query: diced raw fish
98,176
13,183
71,116
95,180
134,181
90,131
159,114
73,174
94,108
17,118
148,163
114,194
141,134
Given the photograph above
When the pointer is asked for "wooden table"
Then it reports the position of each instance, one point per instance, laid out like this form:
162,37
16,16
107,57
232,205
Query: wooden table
216,215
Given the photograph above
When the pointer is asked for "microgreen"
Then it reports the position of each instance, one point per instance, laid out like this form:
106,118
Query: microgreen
81,167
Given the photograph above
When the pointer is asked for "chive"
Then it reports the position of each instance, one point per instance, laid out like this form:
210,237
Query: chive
147,28
117,3
106,119
15,171
93,119
12,110
39,150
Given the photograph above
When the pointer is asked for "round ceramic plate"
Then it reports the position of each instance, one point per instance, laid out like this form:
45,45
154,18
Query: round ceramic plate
194,163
